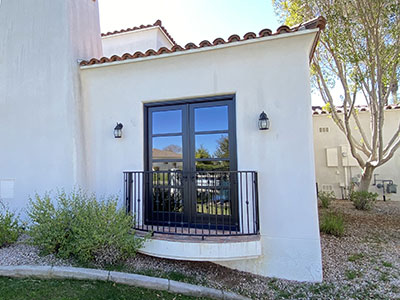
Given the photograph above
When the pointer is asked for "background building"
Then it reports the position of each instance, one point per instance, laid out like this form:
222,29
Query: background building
336,169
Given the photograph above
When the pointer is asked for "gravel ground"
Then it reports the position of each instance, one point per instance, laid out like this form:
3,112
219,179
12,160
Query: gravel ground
363,264
21,253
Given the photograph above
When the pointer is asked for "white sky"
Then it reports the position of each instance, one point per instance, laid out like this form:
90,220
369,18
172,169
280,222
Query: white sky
190,20
193,20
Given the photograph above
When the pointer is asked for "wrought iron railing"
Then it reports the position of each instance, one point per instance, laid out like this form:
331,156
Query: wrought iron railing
202,203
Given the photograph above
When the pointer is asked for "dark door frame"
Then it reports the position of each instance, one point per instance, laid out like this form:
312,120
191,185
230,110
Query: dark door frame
230,101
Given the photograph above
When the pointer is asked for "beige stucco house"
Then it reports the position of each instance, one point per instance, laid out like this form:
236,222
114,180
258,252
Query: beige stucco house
336,169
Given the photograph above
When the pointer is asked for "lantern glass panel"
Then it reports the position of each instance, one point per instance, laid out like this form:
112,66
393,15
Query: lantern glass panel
117,133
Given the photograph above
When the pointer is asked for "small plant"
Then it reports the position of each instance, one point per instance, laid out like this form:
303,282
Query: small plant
352,274
78,225
363,200
332,223
326,198
384,277
10,228
355,257
387,264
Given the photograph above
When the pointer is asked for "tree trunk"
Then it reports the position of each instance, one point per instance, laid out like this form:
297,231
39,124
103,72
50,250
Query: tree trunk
366,178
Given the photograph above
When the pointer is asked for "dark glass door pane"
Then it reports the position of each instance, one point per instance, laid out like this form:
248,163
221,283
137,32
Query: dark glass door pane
166,188
167,147
169,121
211,118
212,146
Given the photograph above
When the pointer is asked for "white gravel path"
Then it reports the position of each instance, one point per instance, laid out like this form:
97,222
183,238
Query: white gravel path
21,253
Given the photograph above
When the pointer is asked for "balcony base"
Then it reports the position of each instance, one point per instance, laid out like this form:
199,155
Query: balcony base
194,248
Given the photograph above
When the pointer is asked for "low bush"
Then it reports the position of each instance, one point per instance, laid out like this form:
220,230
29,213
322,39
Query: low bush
363,200
326,198
80,226
10,227
332,223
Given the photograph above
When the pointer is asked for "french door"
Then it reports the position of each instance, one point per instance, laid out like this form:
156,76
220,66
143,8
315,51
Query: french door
191,159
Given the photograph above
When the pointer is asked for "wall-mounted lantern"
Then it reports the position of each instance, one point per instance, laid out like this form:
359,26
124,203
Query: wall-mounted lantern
263,121
118,131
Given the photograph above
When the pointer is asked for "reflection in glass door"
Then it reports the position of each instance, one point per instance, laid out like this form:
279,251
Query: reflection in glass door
191,149
213,156
166,188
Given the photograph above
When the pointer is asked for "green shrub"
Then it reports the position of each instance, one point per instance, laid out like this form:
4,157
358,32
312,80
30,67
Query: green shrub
10,228
326,198
363,200
332,223
78,225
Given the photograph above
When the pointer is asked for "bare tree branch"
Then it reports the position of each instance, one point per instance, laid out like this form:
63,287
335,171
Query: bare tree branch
360,48
390,153
395,136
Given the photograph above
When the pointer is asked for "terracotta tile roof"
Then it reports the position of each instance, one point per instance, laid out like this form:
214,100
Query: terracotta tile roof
319,23
157,23
164,154
318,110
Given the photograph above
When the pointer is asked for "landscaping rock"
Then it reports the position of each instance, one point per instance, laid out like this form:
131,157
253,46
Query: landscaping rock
21,253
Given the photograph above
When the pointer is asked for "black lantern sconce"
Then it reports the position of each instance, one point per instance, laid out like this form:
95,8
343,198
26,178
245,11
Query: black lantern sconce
118,131
263,121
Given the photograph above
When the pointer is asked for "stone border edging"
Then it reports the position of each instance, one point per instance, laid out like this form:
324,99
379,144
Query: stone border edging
50,272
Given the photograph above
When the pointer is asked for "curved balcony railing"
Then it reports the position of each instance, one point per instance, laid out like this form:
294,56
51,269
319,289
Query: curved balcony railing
202,203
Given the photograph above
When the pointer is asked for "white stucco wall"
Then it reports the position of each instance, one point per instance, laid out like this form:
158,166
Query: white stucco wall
270,74
337,176
40,119
138,40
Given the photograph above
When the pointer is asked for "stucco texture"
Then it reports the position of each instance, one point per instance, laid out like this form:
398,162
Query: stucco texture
271,74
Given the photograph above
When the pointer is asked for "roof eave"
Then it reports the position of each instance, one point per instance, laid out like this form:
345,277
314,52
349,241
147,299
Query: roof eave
204,49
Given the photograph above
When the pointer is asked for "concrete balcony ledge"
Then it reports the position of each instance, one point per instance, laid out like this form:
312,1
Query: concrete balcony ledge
210,249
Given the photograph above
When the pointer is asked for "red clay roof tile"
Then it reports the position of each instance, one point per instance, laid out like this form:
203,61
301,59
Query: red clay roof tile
205,44
249,35
190,46
219,41
319,23
283,29
233,38
265,32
